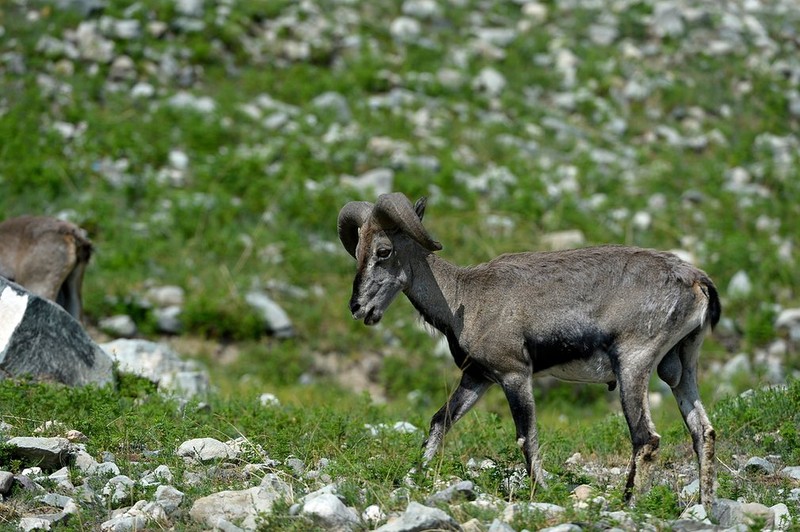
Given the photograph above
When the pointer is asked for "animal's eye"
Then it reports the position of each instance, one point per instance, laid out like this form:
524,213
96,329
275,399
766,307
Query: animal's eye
383,253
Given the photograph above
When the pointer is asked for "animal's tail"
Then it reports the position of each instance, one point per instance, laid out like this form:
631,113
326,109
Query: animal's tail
714,305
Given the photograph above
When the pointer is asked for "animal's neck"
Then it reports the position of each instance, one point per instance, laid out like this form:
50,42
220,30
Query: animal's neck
434,292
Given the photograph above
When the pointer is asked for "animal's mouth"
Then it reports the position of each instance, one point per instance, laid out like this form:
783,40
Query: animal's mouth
372,317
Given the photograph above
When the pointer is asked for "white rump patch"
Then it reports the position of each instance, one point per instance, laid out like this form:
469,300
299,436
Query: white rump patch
12,309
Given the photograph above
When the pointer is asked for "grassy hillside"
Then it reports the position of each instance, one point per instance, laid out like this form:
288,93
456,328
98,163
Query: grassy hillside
210,144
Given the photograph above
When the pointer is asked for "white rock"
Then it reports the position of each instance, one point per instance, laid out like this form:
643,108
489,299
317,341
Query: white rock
120,326
404,427
667,20
642,220
179,160
569,239
276,319
185,100
740,285
489,81
405,29
421,9
691,489
127,29
696,512
372,515
268,399
373,182
169,498
535,11
206,450
783,518
168,319
790,319
33,523
119,488
791,472
739,364
514,510
331,513
104,469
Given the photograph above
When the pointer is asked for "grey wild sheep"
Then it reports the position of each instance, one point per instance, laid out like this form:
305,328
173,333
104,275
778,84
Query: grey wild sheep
48,257
608,314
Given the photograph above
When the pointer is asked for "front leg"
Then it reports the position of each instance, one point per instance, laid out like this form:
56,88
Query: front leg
470,389
519,392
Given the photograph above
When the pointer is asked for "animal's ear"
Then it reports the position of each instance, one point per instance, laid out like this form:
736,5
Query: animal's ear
419,207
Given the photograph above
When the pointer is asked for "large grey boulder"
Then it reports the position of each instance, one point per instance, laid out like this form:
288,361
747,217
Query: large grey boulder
40,339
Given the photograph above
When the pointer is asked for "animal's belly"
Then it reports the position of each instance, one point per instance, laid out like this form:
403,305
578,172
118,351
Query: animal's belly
596,368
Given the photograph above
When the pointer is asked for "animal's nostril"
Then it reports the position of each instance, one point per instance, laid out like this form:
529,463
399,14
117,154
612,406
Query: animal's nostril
354,306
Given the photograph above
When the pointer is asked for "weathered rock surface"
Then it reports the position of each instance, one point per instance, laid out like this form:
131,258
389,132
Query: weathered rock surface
160,364
40,339
47,453
418,517
240,508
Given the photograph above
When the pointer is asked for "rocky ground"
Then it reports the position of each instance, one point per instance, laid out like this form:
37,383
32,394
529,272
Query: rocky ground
306,491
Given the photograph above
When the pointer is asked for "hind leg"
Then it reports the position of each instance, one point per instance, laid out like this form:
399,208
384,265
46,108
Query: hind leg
633,387
694,414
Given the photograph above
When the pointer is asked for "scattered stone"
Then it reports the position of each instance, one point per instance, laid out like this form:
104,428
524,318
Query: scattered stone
120,326
565,527
47,453
405,29
169,295
789,319
489,81
373,182
276,320
758,465
168,319
696,512
514,510
333,104
691,489
268,399
373,515
460,491
206,450
169,498
740,285
418,517
329,512
119,489
782,518
33,523
739,364
6,481
791,472
559,240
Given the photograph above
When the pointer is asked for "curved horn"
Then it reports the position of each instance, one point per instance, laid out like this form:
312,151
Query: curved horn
351,218
395,211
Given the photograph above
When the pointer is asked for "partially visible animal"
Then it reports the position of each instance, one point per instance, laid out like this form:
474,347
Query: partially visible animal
48,257
608,314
